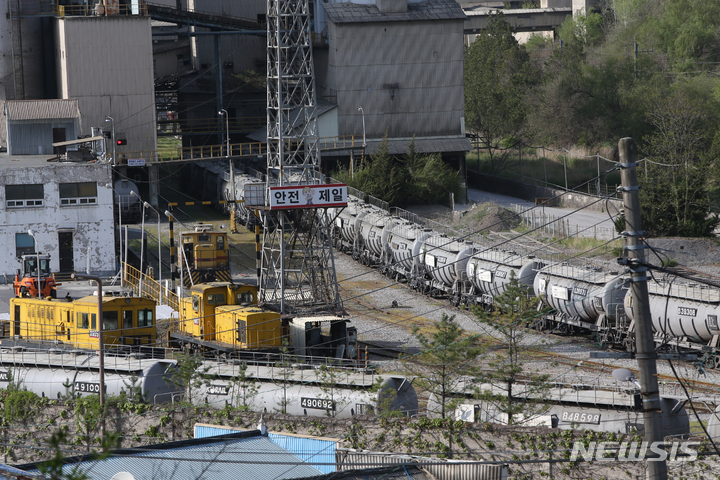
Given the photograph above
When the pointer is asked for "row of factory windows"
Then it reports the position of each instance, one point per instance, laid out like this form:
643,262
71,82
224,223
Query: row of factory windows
89,320
71,194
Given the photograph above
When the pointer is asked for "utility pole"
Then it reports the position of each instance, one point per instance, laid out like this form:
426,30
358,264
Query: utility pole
646,355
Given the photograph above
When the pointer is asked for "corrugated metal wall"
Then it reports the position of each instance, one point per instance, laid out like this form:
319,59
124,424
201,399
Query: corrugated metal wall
425,60
109,69
349,460
36,137
315,452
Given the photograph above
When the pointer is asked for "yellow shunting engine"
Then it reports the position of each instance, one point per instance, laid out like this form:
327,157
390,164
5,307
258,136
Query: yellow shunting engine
127,321
206,254
224,317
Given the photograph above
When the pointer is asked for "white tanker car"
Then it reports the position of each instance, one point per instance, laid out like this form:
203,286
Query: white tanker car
294,389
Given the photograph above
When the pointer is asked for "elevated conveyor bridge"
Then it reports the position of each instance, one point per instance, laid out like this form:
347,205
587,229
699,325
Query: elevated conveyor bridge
237,150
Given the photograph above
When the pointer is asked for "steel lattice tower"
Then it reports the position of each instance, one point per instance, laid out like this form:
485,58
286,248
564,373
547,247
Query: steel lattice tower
297,271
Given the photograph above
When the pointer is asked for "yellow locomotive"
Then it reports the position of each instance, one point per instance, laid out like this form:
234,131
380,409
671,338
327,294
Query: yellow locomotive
126,321
206,256
221,317
224,317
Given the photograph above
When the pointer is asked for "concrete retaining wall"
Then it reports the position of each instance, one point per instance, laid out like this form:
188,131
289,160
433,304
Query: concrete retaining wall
526,191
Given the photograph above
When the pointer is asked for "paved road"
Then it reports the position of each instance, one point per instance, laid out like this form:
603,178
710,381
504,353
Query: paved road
587,223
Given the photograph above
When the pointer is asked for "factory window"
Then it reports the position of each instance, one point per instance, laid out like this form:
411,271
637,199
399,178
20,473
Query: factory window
84,193
183,60
110,320
145,318
24,195
24,244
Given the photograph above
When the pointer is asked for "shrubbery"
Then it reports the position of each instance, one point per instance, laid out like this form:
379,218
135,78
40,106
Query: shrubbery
411,179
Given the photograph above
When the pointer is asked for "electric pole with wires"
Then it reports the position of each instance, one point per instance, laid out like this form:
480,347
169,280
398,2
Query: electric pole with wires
645,344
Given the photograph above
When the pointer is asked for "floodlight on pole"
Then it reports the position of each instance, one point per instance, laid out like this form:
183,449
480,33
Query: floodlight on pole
114,143
360,109
101,341
31,232
142,239
146,204
230,161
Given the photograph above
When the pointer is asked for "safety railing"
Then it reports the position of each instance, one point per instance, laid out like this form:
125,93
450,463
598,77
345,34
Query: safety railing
219,151
145,286
180,126
53,7
221,17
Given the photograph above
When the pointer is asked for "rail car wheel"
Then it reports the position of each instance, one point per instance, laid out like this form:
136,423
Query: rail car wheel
629,344
455,300
716,362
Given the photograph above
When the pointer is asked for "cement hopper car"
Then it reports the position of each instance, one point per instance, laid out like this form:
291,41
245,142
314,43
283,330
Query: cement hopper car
344,223
491,271
445,261
682,310
307,392
370,228
405,245
581,297
46,374
578,406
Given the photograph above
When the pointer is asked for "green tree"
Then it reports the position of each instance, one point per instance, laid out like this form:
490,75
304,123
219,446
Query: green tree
498,74
431,179
687,30
189,375
386,176
682,162
513,309
446,363
245,385
283,374
413,178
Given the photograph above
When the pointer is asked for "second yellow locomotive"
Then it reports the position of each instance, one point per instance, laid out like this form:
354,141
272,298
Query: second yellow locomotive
224,317
126,321
206,255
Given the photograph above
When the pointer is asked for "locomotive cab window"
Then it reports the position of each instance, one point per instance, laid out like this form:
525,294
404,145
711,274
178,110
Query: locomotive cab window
216,299
145,318
110,320
196,303
244,297
127,318
220,241
204,237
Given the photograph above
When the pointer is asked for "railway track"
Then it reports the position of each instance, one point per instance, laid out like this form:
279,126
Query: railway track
380,351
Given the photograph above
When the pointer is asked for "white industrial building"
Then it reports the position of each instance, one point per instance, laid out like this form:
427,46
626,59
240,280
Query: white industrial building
68,206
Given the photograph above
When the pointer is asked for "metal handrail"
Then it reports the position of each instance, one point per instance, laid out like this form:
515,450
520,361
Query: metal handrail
219,151
150,287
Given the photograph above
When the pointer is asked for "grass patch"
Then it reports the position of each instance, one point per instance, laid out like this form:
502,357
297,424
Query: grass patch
593,246
168,148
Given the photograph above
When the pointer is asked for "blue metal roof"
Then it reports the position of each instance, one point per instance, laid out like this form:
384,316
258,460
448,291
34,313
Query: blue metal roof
228,457
316,452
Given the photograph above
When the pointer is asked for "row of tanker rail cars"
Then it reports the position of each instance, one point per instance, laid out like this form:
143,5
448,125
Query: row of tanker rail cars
580,299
